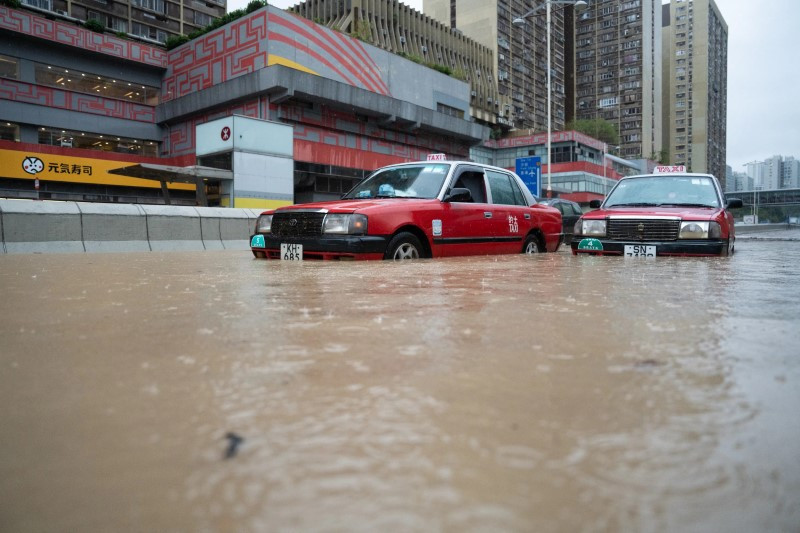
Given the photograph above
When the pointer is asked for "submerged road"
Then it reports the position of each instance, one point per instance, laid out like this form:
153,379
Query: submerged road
212,392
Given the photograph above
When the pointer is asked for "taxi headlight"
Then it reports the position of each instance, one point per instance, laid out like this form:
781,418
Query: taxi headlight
596,228
345,224
692,229
264,224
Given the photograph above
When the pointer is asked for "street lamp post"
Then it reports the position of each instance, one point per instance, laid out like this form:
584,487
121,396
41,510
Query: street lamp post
520,21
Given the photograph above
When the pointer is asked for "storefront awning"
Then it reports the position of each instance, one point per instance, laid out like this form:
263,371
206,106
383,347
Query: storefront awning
171,174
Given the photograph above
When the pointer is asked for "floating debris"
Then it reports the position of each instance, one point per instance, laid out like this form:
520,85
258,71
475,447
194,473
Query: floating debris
233,444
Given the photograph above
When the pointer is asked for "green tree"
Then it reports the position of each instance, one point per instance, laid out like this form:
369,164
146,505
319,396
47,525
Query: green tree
94,25
362,30
598,128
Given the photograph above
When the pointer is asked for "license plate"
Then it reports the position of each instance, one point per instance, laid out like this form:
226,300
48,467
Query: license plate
639,250
291,252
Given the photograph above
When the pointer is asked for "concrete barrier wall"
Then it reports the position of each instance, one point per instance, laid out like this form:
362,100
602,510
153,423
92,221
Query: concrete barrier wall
28,226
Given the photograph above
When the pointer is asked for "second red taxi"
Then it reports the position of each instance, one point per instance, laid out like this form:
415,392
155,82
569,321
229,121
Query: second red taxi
414,210
671,212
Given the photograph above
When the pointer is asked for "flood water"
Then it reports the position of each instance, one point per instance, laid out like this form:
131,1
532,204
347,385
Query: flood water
544,393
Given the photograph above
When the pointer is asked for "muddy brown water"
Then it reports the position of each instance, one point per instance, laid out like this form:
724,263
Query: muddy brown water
545,393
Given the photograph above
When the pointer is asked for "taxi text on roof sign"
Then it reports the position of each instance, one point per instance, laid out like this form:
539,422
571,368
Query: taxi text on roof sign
667,169
437,157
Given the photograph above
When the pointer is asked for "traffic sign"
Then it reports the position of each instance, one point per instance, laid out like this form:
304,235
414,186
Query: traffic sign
530,170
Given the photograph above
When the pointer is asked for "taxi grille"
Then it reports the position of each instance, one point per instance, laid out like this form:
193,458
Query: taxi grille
297,224
643,229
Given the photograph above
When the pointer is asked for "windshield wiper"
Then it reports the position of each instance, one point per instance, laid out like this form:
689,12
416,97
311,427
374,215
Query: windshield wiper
634,204
685,205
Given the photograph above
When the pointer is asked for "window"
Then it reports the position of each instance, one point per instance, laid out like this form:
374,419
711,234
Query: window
504,190
152,5
607,102
201,19
96,141
8,67
41,4
448,110
89,83
118,24
9,131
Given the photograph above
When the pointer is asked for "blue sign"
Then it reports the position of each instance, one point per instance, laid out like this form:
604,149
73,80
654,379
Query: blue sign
530,170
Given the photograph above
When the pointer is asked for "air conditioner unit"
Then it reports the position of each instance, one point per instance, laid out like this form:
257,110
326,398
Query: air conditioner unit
502,57
62,12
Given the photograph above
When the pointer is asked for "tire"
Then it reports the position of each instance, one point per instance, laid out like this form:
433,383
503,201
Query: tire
532,245
404,246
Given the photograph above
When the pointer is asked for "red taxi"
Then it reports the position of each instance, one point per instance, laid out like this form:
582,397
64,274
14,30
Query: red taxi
671,212
413,210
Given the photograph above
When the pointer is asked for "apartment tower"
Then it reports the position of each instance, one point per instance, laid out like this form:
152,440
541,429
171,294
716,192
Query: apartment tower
521,52
618,72
149,20
695,85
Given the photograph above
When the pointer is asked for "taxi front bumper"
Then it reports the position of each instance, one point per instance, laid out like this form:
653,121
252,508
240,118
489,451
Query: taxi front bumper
327,247
704,247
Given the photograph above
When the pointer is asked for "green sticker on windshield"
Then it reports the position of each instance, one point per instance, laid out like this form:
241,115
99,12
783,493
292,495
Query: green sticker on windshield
590,244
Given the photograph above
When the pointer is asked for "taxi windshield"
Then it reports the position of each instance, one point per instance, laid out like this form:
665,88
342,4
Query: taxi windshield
664,191
407,181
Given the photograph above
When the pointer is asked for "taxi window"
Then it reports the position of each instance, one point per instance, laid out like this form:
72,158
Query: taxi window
406,181
667,189
504,190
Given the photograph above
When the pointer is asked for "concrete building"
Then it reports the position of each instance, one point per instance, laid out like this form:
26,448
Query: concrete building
772,173
776,172
791,173
618,71
150,20
96,117
695,52
396,27
521,67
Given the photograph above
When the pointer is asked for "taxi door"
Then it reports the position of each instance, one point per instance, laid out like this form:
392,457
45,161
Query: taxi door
466,226
513,218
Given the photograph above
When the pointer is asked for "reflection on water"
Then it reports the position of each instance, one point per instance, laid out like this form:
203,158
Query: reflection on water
502,393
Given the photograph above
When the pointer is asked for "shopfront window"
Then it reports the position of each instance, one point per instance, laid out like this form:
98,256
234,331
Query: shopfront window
84,82
95,141
9,131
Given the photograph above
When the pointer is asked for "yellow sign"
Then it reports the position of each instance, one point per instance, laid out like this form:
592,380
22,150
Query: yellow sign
52,167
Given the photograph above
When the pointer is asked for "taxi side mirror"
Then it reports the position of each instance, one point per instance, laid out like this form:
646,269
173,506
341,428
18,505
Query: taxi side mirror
595,204
458,194
734,203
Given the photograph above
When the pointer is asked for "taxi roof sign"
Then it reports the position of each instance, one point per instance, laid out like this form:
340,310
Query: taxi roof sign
670,169
437,157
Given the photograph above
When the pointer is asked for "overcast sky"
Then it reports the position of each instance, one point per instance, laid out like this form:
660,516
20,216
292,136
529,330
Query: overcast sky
763,76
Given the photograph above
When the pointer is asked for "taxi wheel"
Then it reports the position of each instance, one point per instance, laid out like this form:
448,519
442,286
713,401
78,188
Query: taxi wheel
403,246
532,245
